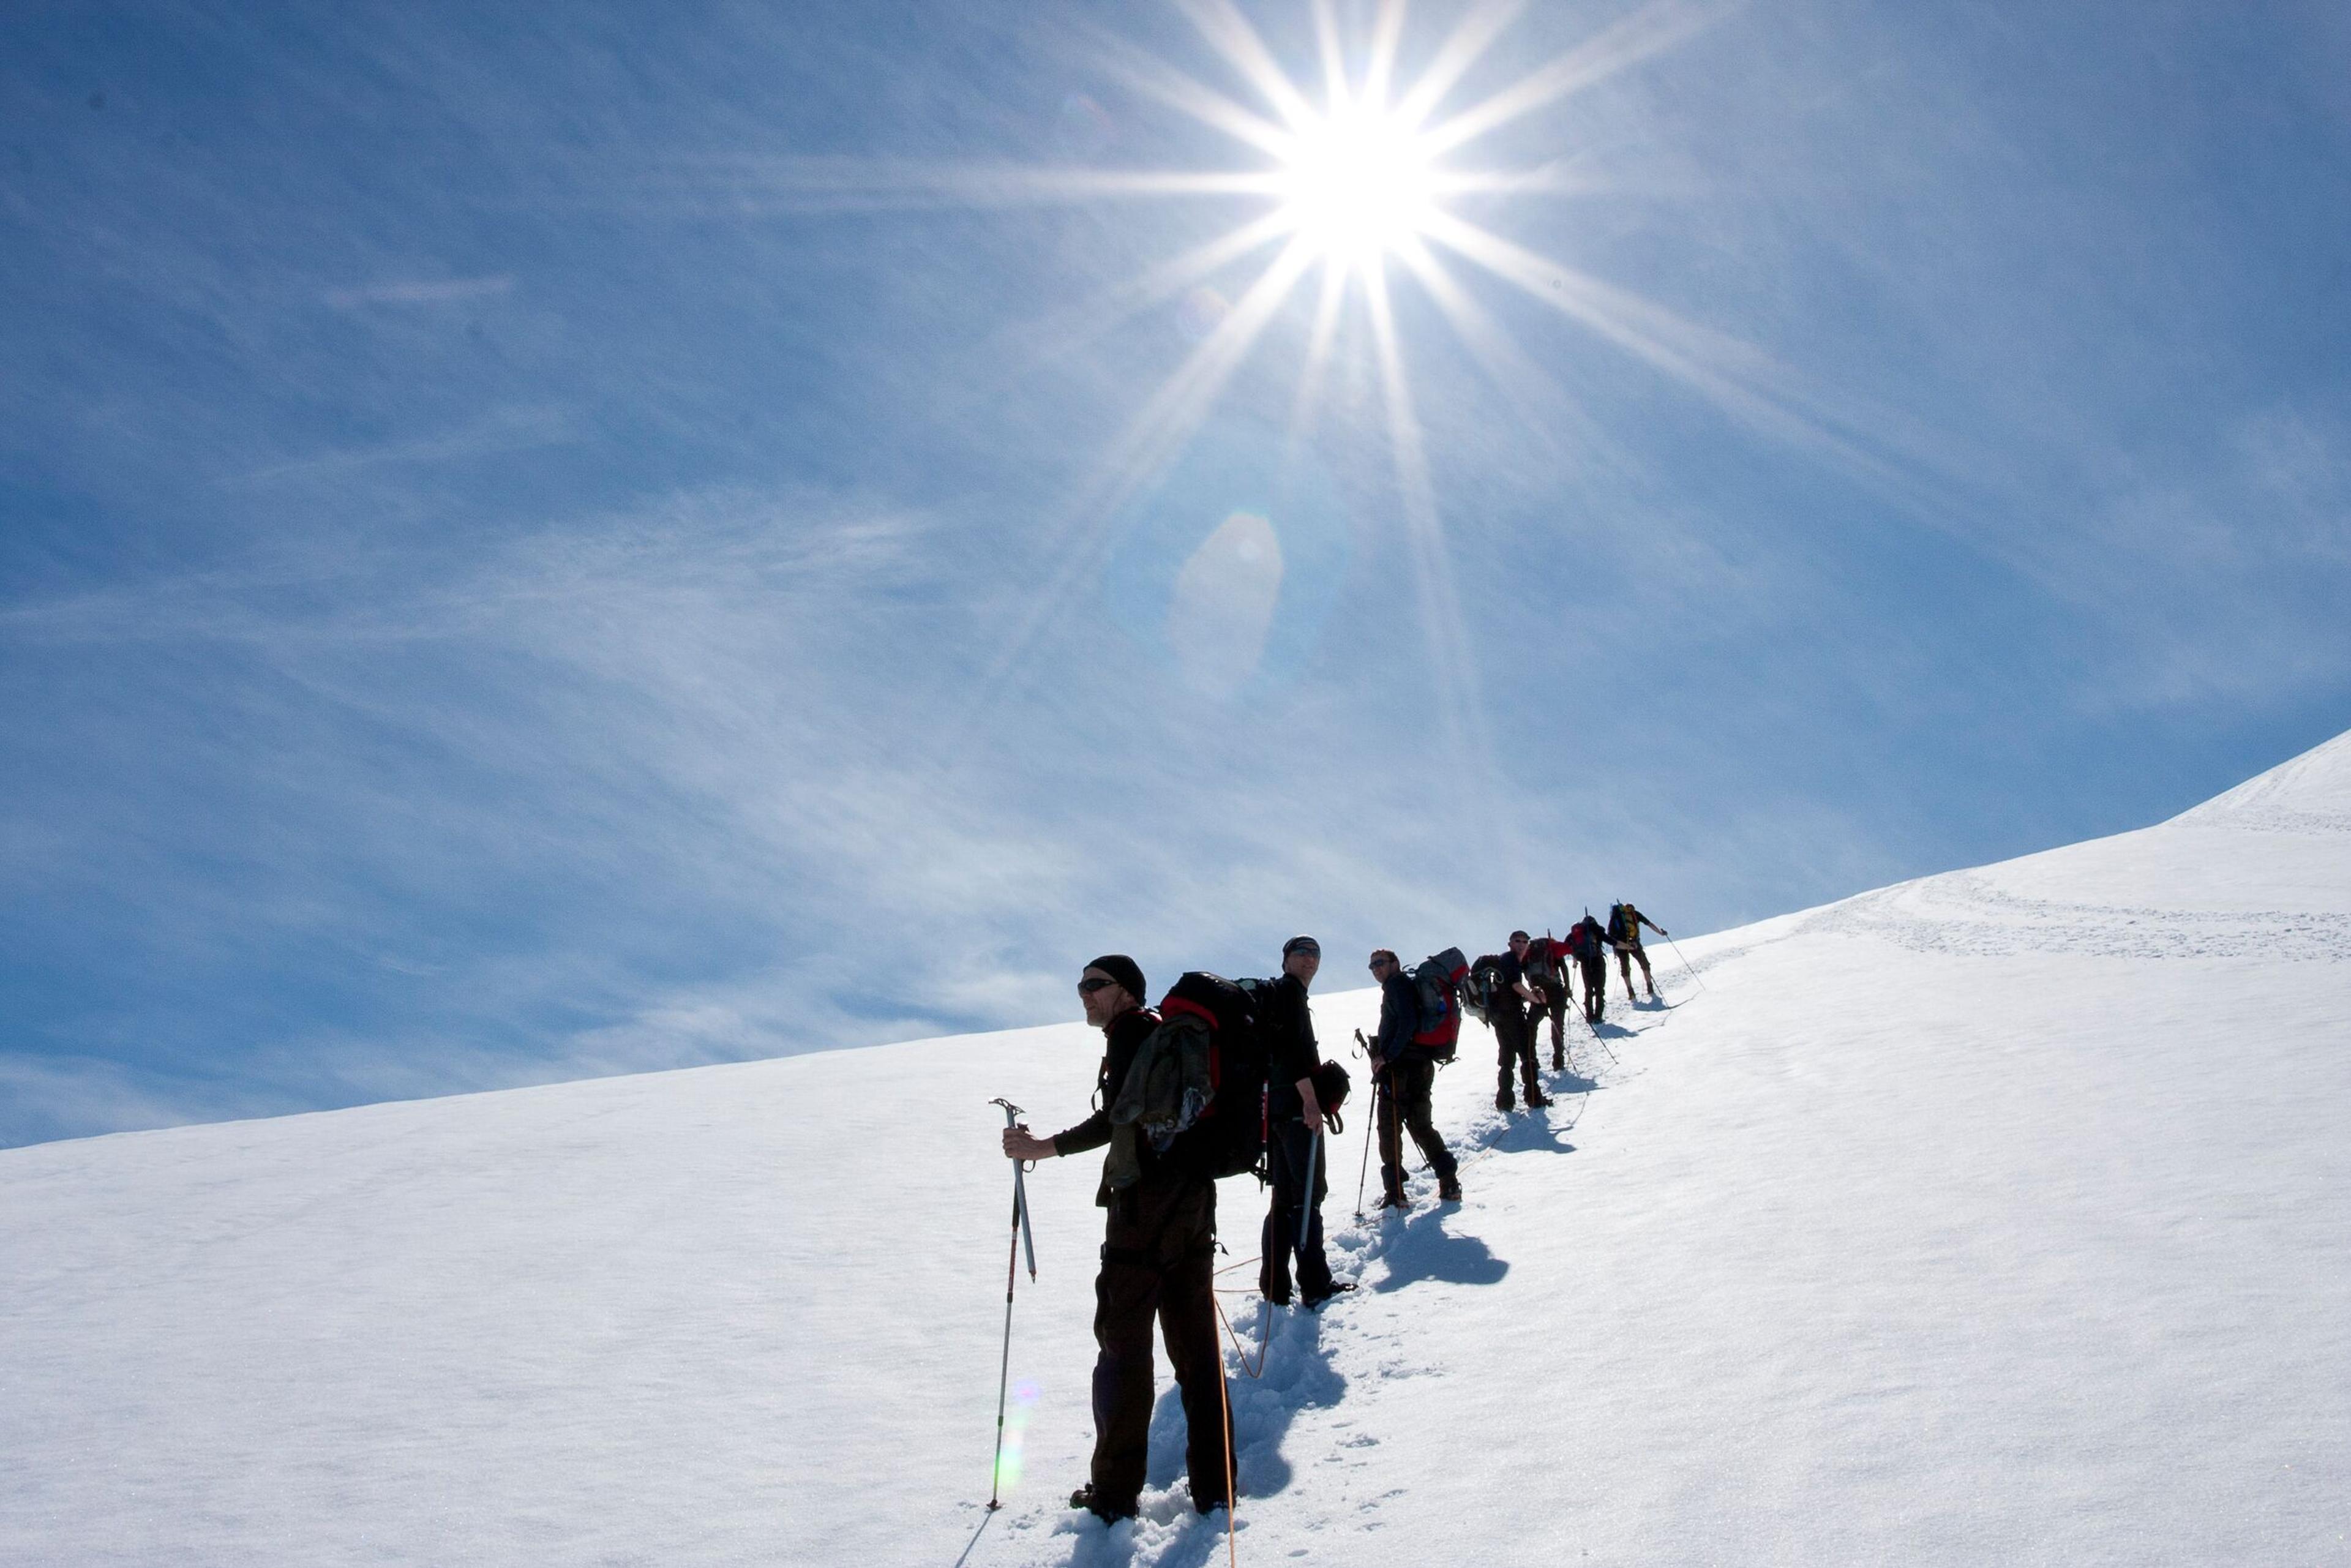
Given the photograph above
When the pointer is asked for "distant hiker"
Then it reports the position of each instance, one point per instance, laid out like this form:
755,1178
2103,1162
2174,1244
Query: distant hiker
1157,1261
1514,1043
1546,966
1625,923
1293,1127
1402,1073
1587,944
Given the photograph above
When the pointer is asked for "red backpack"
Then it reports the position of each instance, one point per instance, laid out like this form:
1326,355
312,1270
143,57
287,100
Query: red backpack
1436,980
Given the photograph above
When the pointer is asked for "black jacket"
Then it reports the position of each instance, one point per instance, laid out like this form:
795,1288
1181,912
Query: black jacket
1292,1053
1510,1001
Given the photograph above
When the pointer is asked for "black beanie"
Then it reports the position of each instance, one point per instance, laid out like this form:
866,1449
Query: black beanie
1125,970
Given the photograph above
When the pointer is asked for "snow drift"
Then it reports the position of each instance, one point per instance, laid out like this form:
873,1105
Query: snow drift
1996,1217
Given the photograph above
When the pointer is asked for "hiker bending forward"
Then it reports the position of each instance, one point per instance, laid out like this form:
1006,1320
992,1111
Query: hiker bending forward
1404,1074
1625,923
1157,1261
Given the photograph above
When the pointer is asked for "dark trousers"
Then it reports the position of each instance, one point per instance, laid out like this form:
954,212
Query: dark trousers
1514,1044
1158,1260
1627,957
1403,1107
1287,1147
1596,984
1557,1007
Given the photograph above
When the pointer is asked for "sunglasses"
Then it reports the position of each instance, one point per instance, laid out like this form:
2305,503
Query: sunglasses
1092,983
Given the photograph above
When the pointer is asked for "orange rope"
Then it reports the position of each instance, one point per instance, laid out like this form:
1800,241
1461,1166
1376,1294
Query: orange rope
1225,1398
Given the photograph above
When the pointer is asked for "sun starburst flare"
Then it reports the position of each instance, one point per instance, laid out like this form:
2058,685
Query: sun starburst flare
1356,179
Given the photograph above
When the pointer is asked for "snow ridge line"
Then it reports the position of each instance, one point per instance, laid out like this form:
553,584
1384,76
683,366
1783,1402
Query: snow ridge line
1965,912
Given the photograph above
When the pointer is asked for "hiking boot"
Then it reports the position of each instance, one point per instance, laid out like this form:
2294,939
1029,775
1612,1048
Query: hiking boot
1338,1287
1395,1200
1109,1513
1502,1100
1210,1504
1537,1100
1449,1190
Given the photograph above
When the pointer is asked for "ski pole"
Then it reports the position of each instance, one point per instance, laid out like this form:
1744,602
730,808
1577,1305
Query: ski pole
1020,1231
1686,963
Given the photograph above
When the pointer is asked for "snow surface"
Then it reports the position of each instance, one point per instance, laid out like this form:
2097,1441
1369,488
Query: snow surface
1997,1217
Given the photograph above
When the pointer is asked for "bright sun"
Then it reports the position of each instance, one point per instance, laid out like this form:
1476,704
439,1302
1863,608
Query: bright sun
1355,183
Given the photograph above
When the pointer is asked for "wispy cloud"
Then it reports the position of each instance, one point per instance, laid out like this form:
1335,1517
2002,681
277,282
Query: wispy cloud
428,291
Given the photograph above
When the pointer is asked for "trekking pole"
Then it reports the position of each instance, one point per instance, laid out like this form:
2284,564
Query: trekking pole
1020,1232
1370,1133
1686,963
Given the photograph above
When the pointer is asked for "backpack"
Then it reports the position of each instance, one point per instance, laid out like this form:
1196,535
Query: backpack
1485,987
1437,981
1542,964
1230,1133
1617,925
1584,940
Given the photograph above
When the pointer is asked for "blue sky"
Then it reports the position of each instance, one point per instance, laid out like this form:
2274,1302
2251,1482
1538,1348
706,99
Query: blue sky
544,542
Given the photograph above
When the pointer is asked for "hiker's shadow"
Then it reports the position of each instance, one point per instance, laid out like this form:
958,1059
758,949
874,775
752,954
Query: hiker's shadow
1532,1135
1296,1374
1428,1249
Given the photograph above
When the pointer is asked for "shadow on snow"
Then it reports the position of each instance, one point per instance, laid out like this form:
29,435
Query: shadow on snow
1297,1375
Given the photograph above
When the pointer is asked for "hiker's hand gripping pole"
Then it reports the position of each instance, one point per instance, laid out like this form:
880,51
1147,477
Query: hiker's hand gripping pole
1012,1113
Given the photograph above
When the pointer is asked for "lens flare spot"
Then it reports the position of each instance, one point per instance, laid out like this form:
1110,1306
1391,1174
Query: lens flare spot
1025,1395
1223,604
1083,129
1202,310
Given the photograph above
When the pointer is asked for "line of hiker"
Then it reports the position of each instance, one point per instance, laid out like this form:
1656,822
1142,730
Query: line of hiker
1225,1078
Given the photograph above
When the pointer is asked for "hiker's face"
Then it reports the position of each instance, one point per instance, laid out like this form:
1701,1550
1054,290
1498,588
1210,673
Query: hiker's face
1518,946
1303,964
1105,998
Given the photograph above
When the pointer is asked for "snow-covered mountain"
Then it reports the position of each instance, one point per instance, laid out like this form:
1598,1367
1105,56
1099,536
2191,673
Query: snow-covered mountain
2003,1215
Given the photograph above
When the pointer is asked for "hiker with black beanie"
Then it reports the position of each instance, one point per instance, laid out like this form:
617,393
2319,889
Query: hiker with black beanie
1513,1038
1158,1262
1293,1224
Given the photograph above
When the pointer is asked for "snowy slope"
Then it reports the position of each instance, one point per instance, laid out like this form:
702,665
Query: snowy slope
1997,1217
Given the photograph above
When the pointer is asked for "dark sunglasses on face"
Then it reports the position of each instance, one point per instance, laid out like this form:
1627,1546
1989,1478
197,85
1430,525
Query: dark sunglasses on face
1092,983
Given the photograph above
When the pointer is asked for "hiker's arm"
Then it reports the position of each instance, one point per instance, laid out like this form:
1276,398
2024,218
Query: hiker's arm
1311,1108
1091,1134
